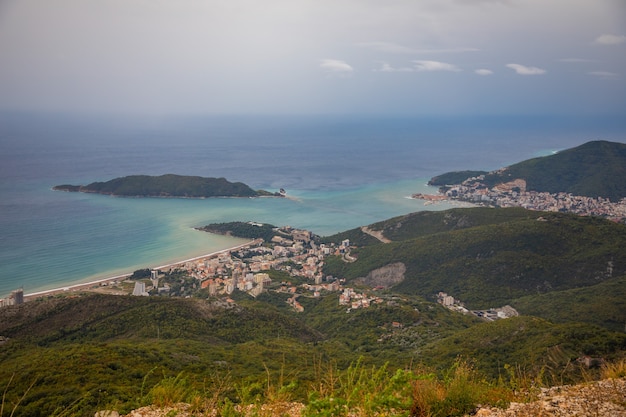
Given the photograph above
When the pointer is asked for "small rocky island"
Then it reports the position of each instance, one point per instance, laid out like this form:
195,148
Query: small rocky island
169,185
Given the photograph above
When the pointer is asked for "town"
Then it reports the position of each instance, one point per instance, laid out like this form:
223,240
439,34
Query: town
291,252
515,194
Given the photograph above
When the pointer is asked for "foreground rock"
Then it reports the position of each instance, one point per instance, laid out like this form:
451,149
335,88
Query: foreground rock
601,398
284,409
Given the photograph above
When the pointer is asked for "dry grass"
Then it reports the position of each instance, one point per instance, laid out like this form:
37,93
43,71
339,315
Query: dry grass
614,370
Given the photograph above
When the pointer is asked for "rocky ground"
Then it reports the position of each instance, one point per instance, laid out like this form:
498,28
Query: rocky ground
606,398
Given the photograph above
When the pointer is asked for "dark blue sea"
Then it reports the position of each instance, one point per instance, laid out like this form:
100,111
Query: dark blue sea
343,172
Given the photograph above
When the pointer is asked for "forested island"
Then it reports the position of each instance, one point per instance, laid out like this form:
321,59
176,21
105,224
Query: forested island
168,185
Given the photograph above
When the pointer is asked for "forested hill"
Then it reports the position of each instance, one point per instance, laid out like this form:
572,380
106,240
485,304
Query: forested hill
169,185
594,169
490,257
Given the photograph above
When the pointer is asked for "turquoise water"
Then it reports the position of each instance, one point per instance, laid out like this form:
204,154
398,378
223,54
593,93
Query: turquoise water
341,172
113,235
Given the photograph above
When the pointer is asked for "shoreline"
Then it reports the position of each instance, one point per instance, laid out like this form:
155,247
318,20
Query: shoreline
87,285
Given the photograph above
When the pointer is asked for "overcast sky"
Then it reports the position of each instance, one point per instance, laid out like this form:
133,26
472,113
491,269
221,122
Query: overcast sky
314,56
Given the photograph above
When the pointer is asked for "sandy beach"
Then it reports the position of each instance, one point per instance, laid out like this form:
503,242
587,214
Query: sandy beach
88,285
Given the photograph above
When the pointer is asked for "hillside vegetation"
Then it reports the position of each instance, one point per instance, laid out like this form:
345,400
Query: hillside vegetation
118,352
168,185
249,230
565,275
602,304
594,169
515,254
455,177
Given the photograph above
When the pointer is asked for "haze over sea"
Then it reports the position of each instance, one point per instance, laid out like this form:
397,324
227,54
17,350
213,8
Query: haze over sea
344,172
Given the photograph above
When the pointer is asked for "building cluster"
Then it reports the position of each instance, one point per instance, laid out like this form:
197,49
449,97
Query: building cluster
291,250
16,298
514,194
349,297
491,314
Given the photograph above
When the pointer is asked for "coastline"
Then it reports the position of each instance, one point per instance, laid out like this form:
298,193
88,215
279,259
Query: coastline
74,288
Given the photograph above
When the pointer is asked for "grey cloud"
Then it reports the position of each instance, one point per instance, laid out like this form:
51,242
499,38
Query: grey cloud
604,74
609,39
335,65
428,66
525,70
393,48
385,67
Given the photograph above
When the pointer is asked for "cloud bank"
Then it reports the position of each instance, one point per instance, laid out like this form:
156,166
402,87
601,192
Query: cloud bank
285,56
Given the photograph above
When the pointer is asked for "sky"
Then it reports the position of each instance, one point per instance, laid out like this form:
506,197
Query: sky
452,57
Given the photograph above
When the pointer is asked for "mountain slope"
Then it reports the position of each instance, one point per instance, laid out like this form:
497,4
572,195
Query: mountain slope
424,223
492,264
594,169
535,344
603,304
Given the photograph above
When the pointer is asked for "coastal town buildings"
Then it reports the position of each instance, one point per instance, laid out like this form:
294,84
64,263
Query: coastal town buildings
295,252
515,194
16,298
491,314
245,269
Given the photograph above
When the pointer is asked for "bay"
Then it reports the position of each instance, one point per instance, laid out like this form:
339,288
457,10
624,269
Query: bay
341,172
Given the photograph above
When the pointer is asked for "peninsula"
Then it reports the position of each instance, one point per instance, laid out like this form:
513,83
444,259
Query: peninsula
169,185
585,180
593,169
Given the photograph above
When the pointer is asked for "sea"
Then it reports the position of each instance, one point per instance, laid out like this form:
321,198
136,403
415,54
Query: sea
340,172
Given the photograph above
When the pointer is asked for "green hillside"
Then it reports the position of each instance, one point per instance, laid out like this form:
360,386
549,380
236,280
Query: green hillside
168,185
565,274
102,348
424,223
455,177
493,264
534,344
594,169
603,304
94,352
